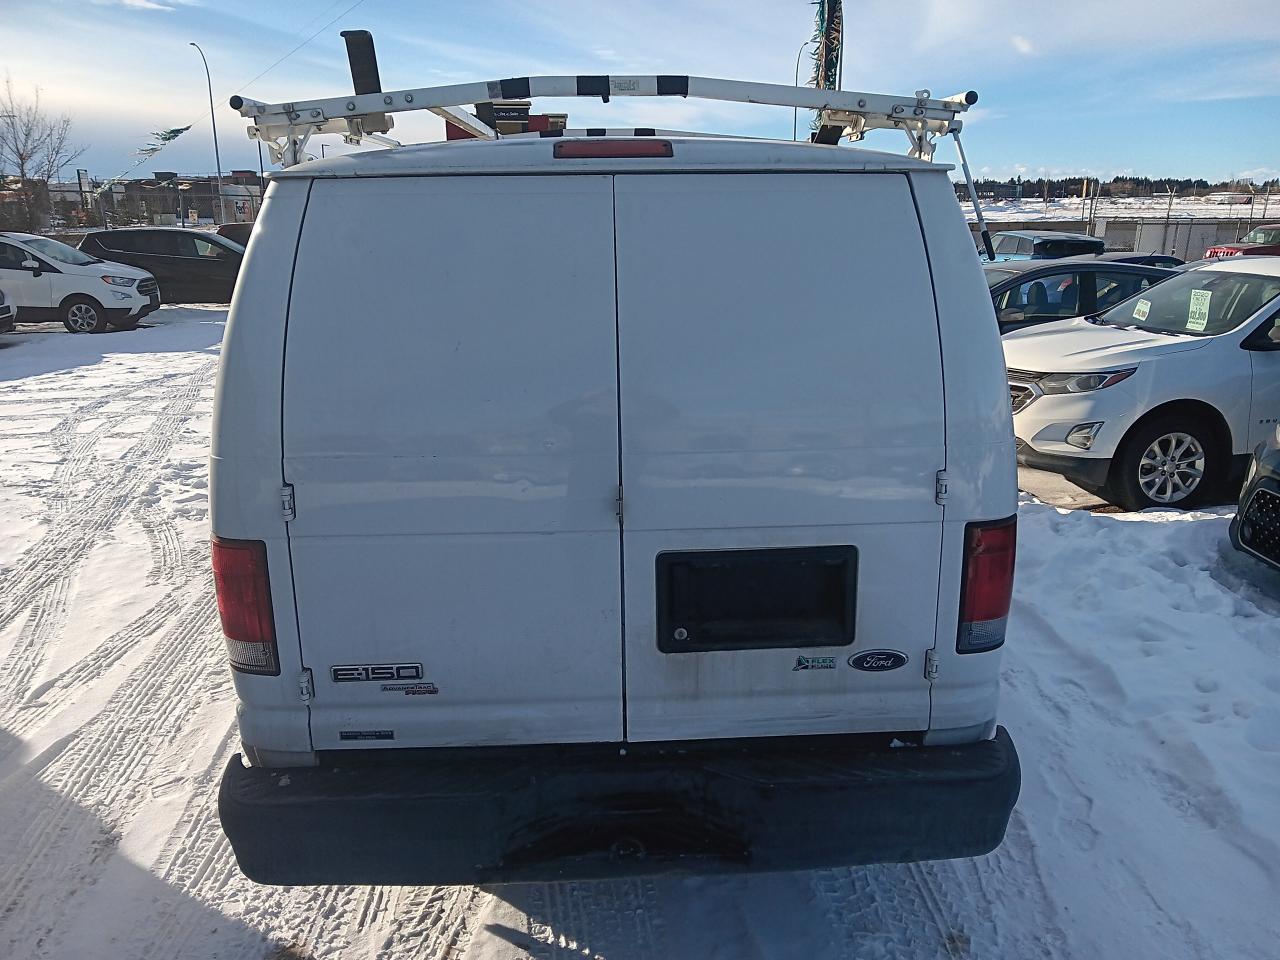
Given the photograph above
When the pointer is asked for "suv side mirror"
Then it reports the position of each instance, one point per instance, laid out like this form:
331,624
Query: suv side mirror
33,266
1264,339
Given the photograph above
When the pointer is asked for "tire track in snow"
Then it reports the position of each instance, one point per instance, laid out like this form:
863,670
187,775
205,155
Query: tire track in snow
943,909
386,923
584,916
40,581
103,769
49,697
435,923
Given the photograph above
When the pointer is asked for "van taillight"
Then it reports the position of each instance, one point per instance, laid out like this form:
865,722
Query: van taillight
986,586
244,604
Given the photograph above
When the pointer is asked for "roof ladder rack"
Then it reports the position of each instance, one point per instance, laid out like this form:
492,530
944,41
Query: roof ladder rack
366,115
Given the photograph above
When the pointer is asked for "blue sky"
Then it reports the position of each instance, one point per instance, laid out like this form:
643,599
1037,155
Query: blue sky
1099,87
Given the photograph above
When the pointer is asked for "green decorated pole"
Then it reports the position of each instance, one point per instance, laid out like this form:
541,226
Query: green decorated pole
828,39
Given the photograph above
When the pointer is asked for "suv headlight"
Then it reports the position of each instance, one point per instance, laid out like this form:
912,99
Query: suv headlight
1083,382
120,281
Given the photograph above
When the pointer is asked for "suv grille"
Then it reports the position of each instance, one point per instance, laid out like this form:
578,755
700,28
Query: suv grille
148,287
1260,525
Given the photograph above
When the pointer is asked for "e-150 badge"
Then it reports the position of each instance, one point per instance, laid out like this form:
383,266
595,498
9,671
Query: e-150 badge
357,672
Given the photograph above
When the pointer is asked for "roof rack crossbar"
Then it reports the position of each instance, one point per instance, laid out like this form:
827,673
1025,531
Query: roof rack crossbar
285,127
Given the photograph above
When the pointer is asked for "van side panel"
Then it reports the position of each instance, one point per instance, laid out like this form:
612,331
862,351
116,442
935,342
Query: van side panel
451,433
781,388
244,470
981,467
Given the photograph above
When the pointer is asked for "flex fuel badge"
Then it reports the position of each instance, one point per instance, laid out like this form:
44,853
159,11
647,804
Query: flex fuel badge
814,663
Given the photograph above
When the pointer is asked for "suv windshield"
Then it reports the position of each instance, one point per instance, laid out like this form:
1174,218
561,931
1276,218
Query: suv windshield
55,250
1262,235
1202,303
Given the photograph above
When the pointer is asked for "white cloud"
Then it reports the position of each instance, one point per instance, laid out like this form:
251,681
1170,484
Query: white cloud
1022,45
976,115
163,6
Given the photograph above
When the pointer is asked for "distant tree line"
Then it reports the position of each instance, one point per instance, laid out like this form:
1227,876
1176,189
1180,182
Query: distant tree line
1041,188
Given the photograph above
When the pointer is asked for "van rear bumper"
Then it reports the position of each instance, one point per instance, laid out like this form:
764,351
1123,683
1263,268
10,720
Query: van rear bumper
495,815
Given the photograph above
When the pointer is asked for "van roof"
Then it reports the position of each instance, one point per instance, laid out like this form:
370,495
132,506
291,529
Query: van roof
524,154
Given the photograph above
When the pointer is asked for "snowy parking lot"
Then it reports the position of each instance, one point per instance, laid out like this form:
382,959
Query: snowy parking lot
1141,685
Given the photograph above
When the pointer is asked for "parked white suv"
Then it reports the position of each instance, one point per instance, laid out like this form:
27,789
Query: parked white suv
659,512
1158,401
47,280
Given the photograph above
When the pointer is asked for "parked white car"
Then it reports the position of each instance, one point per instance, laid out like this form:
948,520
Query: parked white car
48,280
1159,400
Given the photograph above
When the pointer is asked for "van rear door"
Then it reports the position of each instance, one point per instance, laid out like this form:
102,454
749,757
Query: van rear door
782,425
451,435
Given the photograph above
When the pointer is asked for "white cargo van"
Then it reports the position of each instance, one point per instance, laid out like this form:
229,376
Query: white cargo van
591,505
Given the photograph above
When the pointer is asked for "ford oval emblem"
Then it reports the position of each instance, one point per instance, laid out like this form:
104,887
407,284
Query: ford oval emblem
878,660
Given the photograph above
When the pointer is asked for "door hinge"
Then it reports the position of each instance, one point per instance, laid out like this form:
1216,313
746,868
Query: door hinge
940,486
305,687
286,502
617,505
931,664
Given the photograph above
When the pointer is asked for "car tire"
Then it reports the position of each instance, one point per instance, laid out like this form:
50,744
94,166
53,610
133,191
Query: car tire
1170,462
83,315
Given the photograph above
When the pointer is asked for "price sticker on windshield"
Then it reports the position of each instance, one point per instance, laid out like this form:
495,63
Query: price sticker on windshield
1141,309
1198,311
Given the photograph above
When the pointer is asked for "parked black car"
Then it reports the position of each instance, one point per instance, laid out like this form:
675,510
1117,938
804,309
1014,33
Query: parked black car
236,232
1149,259
1255,530
192,266
1041,245
1027,292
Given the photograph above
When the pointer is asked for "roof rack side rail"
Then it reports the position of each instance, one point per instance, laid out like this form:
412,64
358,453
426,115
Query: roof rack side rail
285,127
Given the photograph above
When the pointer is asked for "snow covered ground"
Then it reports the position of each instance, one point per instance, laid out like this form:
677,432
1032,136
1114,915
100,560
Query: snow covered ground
1142,689
1031,208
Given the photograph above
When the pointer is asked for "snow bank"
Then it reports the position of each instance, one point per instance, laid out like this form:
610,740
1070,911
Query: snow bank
1141,684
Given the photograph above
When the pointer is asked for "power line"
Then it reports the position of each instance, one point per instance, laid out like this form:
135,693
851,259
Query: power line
277,62
301,45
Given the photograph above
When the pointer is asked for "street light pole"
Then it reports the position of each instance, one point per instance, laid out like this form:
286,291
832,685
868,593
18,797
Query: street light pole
213,122
795,112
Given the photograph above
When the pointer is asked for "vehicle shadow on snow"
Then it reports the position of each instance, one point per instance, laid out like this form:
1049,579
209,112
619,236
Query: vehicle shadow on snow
41,348
68,891
1247,577
880,910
